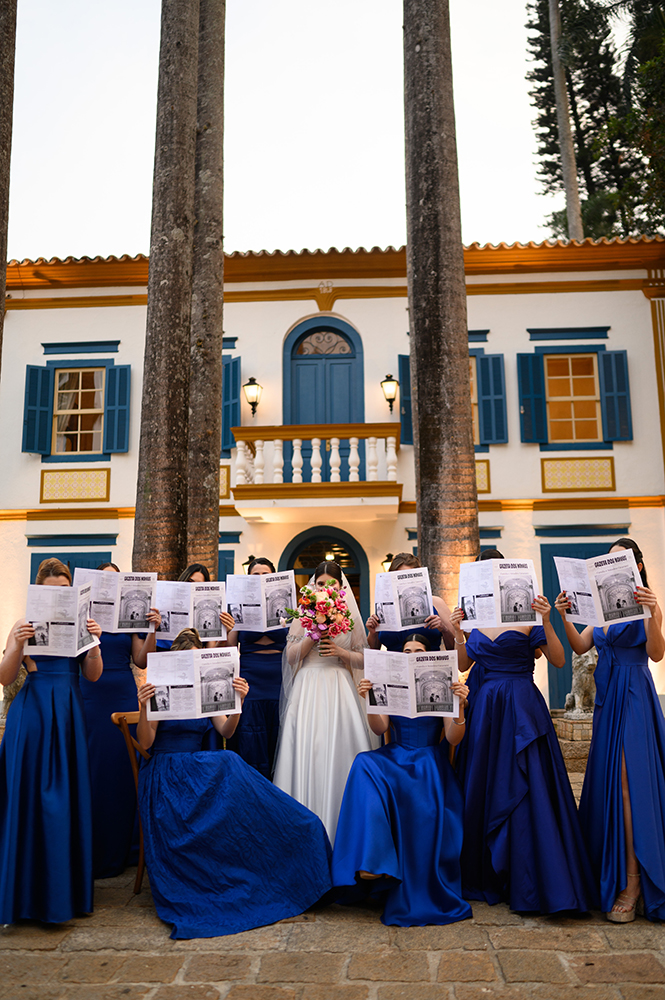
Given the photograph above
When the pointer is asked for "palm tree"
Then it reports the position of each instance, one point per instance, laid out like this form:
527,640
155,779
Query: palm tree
443,438
7,52
160,530
205,386
566,147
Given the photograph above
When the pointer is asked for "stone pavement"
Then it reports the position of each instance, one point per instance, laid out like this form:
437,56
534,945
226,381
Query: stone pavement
123,952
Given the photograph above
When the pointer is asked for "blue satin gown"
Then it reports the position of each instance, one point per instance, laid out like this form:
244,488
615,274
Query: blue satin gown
45,807
113,790
401,816
628,717
522,839
225,849
255,739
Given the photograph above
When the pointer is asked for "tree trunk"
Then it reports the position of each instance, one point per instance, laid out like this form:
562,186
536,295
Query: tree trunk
7,53
205,387
566,147
443,436
160,531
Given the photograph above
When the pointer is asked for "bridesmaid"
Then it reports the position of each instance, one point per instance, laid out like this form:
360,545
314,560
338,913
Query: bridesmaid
113,790
622,810
522,840
400,824
434,629
45,807
255,738
226,850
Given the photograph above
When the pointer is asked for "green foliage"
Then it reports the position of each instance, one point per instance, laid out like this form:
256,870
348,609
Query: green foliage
616,114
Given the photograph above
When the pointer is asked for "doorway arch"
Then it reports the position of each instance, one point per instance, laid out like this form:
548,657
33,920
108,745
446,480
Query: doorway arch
310,547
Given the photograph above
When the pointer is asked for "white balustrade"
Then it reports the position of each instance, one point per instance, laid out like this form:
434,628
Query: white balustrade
241,464
335,461
391,459
372,460
354,461
316,461
259,462
296,461
278,461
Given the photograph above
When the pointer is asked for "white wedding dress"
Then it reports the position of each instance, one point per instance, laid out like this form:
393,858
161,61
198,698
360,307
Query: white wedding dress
324,726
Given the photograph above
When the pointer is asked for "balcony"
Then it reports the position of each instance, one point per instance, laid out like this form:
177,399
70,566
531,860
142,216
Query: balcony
294,472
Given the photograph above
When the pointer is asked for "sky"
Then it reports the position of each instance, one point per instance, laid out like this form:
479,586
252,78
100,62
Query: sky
314,145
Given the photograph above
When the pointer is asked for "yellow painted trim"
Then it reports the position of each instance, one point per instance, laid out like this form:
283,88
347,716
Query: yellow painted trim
77,302
577,489
76,514
292,491
228,511
555,287
305,432
658,324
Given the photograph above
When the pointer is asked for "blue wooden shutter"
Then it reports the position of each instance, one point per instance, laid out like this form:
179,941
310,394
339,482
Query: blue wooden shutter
38,410
533,413
116,409
492,416
615,395
406,433
230,402
226,562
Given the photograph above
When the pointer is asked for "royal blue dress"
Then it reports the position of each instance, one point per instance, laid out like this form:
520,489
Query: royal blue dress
225,849
45,807
255,739
522,839
113,790
401,816
627,717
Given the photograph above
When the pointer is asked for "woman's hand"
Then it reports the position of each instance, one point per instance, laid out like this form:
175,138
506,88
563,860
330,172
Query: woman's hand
434,621
145,693
21,632
645,596
328,647
363,687
241,686
542,607
227,620
154,617
372,623
456,618
562,604
94,628
462,692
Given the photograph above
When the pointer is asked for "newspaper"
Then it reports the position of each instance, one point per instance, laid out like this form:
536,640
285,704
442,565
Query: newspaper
59,616
119,602
258,602
194,683
190,605
496,592
411,684
601,589
402,600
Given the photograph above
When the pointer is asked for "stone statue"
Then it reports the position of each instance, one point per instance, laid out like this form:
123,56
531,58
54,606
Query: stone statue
579,702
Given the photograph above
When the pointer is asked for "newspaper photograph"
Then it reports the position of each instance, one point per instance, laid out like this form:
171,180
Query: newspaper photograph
193,683
59,616
119,602
498,592
258,602
403,600
601,589
190,605
411,684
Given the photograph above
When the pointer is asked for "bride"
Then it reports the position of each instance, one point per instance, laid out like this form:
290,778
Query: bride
324,724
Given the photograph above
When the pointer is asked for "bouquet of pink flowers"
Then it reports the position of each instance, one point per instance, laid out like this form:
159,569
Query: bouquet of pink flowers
322,613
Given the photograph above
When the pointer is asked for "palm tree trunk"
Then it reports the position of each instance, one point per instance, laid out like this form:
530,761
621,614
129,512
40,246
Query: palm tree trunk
205,387
443,437
7,53
566,147
160,530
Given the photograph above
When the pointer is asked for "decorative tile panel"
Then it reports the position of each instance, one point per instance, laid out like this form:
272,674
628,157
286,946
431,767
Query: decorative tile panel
483,475
75,485
577,475
225,482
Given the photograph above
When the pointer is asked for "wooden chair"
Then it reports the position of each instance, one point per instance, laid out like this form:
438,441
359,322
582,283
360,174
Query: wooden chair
123,720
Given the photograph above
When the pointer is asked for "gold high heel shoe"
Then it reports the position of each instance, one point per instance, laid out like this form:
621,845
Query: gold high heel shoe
625,916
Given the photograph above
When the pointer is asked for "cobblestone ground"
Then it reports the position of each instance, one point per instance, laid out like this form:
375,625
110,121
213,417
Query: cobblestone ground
123,952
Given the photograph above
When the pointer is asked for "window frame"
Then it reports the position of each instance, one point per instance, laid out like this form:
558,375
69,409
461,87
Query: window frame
596,399
55,412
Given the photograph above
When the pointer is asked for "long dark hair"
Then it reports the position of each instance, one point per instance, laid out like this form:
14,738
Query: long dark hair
490,554
628,543
417,637
260,561
107,564
187,574
331,569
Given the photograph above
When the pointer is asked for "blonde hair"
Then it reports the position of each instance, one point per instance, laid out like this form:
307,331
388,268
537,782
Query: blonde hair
52,567
188,638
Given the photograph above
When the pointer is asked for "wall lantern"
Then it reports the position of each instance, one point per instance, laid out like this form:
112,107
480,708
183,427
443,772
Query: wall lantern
252,391
387,562
390,386
247,563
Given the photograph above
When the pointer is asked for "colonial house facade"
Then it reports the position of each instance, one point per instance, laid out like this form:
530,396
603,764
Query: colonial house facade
566,355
